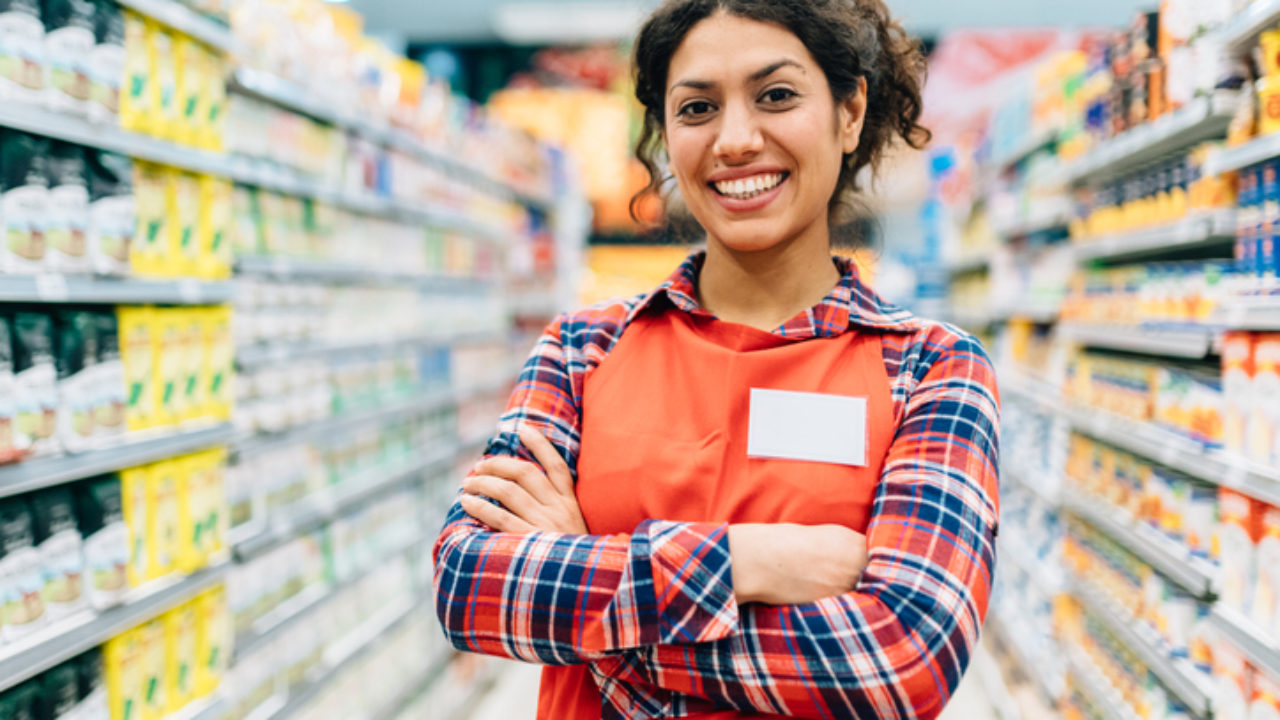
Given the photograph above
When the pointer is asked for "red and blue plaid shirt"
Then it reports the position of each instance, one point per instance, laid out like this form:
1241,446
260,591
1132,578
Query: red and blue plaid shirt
654,612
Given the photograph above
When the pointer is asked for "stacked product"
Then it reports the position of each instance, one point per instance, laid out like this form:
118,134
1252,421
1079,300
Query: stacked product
1167,294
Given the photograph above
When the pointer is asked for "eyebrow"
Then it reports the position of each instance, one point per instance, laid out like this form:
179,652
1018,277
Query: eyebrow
756,76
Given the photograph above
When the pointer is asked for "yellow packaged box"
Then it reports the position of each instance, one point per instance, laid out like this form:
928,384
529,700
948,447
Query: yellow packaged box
215,228
168,332
191,88
123,667
213,640
195,401
219,356
150,251
135,96
181,641
184,241
187,557
137,353
163,519
215,93
155,684
164,78
208,502
133,489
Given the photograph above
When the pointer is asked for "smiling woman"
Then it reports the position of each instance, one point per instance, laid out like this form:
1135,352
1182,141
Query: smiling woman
759,490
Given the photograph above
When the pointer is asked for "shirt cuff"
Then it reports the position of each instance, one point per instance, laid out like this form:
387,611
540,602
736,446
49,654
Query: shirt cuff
690,599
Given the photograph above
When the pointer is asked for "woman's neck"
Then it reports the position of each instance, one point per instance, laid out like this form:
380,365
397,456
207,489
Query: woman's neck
766,288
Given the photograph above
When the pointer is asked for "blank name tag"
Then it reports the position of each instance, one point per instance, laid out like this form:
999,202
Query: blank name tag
807,426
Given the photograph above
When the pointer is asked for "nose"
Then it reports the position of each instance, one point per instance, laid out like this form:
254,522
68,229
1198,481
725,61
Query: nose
739,139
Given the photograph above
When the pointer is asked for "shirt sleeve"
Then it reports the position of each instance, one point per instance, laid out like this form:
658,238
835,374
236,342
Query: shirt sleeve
896,646
564,599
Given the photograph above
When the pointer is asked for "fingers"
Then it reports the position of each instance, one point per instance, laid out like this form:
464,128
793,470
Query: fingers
513,496
500,519
524,474
547,455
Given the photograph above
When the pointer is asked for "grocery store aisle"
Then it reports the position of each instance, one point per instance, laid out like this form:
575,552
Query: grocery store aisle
512,697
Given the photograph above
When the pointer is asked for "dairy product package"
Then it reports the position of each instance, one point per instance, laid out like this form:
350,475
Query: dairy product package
35,384
67,230
113,215
24,202
69,43
1236,548
22,609
58,541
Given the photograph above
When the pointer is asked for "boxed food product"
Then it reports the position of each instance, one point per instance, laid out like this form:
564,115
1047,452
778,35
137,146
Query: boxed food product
215,228
219,349
1264,420
135,100
194,403
163,518
164,78
111,388
69,43
169,365
155,666
75,358
22,61
68,226
1237,385
124,663
100,515
1235,545
150,251
107,61
9,449
58,541
113,217
35,384
214,73
133,488
184,248
191,100
23,607
24,202
181,638
138,342
213,640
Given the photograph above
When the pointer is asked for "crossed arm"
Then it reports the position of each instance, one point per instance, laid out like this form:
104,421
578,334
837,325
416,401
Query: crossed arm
682,616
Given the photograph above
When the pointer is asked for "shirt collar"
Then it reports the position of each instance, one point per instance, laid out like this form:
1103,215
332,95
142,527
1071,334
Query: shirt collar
851,303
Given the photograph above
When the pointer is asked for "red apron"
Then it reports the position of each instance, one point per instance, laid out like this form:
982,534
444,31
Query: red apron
664,436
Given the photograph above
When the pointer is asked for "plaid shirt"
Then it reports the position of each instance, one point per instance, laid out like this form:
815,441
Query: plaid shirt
654,612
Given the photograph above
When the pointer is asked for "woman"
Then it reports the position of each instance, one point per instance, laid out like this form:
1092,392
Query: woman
762,491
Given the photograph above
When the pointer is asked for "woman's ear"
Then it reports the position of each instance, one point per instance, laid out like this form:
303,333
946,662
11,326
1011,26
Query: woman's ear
850,115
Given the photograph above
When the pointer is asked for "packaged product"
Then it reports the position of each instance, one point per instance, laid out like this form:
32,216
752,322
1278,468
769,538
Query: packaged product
21,702
181,637
1263,427
213,639
1239,518
149,252
219,350
215,228
75,357
133,489
1237,383
93,691
22,63
9,450
113,217
24,202
184,249
216,516
155,666
35,383
214,73
194,402
57,538
100,515
1266,698
135,99
68,226
170,365
187,553
69,42
60,691
124,665
107,61
190,64
163,521
1265,608
23,605
138,343
1201,515
246,232
111,389
164,74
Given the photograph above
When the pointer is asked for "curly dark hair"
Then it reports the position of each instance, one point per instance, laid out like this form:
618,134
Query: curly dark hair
849,39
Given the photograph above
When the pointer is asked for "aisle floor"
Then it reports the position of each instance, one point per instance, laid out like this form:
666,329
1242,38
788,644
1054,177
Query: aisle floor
512,697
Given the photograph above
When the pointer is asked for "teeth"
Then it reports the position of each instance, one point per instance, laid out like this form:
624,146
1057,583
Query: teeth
749,187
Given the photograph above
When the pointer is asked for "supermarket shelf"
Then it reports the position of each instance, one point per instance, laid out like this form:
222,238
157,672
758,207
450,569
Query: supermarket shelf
1242,156
323,507
1048,585
1090,680
183,19
1242,32
341,655
1026,148
88,290
1023,478
1200,231
1261,313
1258,645
286,94
972,264
279,352
1177,452
1034,312
345,272
59,642
988,673
297,609
32,475
1202,119
1188,342
1050,687
1056,219
435,670
1042,392
1194,575
1177,674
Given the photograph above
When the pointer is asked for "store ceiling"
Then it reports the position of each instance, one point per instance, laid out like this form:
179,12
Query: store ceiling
565,21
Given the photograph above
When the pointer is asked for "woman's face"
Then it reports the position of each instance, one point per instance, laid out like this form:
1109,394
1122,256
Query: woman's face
754,137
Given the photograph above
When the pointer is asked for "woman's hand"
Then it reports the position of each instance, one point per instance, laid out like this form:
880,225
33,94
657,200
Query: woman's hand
532,500
786,564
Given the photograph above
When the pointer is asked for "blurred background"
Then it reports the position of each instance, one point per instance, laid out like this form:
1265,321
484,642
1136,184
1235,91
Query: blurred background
222,460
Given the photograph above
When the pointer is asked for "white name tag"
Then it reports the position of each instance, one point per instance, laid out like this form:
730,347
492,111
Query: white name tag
807,426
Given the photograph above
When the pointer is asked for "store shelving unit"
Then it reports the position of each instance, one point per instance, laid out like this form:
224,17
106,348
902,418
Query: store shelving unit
67,638
1257,313
40,473
1091,681
61,289
1042,578
185,20
1259,646
1024,478
1049,685
1187,342
254,355
1214,229
1242,32
1197,576
339,271
1187,683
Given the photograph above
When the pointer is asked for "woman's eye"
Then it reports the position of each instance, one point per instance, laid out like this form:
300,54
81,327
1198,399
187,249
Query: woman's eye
696,108
778,95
